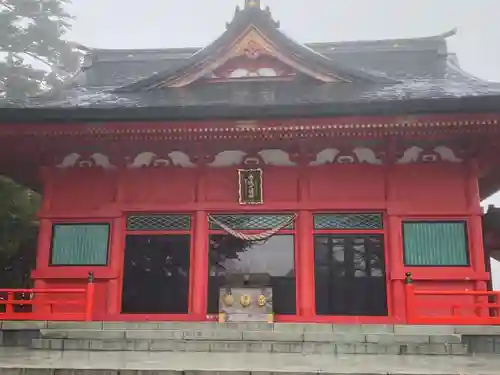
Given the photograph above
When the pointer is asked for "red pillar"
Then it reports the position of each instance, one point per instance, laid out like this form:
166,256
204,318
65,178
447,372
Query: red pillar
396,268
475,222
477,248
306,305
44,243
475,231
199,268
42,261
117,251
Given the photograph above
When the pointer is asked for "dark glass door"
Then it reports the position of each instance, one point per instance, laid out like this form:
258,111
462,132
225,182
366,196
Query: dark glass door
350,275
156,274
232,256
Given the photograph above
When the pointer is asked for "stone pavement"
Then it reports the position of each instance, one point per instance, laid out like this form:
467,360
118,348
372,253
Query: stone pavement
14,360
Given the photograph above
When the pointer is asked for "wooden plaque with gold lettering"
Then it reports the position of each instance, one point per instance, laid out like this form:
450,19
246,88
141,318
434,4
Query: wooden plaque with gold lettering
250,186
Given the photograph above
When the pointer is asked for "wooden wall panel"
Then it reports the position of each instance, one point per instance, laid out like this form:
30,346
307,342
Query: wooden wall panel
81,191
221,185
280,184
160,185
348,183
438,188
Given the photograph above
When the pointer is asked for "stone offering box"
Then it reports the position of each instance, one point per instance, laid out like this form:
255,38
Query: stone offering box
246,298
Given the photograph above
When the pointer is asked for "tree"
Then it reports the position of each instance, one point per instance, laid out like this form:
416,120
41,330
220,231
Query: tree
34,57
18,233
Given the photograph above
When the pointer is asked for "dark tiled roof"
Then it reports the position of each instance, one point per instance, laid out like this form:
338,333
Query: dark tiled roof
271,94
394,70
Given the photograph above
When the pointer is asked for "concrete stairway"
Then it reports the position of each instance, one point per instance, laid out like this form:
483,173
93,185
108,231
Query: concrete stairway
252,337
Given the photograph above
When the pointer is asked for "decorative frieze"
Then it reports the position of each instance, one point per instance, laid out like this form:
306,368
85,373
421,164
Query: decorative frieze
96,160
417,154
272,157
236,157
356,156
150,159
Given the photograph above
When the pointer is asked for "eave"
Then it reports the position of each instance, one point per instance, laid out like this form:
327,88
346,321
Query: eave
458,105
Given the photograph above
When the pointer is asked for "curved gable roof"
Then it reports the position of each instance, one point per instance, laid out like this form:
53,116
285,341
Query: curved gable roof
254,25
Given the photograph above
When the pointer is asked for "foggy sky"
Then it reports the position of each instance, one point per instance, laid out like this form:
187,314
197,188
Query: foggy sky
195,23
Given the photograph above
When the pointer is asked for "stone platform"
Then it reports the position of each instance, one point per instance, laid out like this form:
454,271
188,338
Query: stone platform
167,348
253,338
243,337
16,361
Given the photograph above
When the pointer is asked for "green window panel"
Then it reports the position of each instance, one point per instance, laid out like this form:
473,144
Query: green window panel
348,221
158,222
435,243
252,222
80,245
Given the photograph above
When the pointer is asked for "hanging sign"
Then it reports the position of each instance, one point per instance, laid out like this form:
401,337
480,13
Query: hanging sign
250,186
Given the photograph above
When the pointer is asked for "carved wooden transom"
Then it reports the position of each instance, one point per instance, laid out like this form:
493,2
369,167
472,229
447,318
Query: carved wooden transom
255,67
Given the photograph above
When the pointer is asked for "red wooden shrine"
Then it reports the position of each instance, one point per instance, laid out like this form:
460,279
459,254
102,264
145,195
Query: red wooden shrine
358,142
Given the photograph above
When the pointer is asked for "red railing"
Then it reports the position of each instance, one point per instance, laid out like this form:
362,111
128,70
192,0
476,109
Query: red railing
476,307
72,304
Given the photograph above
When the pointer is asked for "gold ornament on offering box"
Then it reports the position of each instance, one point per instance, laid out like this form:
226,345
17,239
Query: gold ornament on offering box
245,300
228,300
262,300
250,186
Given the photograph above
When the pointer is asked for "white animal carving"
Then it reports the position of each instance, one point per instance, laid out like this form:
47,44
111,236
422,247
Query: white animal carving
101,160
228,158
262,72
447,154
69,160
239,73
147,159
267,72
365,155
276,157
326,156
144,159
97,159
411,155
180,159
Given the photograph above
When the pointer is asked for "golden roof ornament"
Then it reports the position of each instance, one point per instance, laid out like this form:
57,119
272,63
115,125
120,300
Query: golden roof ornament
252,3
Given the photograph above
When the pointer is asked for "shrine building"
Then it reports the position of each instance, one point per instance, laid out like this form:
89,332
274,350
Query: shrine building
324,172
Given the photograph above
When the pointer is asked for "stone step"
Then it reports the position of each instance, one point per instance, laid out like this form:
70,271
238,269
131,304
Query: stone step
247,335
253,326
20,361
251,346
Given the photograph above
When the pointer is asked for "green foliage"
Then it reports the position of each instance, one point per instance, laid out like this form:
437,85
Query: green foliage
34,57
18,233
33,53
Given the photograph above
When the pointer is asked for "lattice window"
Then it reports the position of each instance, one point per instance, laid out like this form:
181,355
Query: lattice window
252,222
79,245
158,222
435,243
348,221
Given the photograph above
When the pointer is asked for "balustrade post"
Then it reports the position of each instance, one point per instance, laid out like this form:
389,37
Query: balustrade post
409,298
9,307
89,297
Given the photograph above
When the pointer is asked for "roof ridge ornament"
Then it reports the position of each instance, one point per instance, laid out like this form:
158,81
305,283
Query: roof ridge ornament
252,4
252,10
